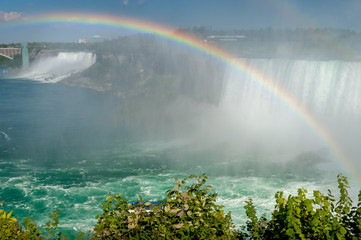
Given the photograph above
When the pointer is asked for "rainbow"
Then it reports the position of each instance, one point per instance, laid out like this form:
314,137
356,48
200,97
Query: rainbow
199,45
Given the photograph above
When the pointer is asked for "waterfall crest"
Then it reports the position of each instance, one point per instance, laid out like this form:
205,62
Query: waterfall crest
56,68
329,90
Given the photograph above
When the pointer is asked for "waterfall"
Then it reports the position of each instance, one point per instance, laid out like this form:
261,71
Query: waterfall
329,90
56,68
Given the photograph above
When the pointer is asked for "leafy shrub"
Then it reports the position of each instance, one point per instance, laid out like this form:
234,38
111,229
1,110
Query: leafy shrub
298,217
190,212
10,228
187,212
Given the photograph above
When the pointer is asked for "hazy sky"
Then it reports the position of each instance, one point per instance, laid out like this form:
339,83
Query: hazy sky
218,14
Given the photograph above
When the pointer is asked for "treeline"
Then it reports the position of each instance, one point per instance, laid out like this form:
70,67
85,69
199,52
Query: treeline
191,212
266,42
65,46
35,48
326,43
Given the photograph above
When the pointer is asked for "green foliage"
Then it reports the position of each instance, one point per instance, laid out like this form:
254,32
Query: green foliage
28,230
188,212
255,226
191,212
11,229
298,217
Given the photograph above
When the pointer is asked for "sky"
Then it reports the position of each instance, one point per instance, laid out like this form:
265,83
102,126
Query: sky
216,14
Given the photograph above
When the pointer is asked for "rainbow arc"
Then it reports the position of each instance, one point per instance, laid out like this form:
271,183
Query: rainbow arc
170,33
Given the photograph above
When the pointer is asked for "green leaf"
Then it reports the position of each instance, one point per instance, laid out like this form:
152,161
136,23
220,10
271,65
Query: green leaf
343,231
178,226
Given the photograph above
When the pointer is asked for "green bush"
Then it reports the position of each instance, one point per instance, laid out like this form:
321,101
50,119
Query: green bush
10,228
298,217
191,212
187,212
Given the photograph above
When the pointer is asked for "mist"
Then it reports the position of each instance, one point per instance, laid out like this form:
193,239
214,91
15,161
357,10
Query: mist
114,102
129,115
146,89
52,69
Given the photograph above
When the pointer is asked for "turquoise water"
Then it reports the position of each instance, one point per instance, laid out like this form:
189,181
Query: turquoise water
62,148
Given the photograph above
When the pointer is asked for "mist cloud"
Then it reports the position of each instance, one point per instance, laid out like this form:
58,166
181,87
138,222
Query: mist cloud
9,16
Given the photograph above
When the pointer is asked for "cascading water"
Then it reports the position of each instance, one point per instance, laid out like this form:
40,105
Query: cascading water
64,147
56,68
329,90
324,87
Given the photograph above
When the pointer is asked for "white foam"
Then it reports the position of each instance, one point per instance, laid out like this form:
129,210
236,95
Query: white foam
6,136
54,69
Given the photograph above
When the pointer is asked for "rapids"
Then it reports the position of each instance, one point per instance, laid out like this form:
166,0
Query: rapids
64,147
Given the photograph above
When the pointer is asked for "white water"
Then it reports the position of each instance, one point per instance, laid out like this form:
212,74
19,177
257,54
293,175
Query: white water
248,119
329,90
6,136
54,69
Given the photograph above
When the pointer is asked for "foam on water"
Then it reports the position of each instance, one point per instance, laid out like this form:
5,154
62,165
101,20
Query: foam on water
42,190
246,151
6,136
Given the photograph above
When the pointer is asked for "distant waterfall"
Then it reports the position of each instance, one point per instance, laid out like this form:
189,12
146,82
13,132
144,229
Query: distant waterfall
56,68
329,90
326,88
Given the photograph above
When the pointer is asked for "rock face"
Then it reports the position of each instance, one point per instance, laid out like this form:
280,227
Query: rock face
36,53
